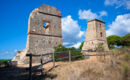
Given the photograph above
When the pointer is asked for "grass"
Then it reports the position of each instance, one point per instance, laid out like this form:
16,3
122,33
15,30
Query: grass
4,61
127,56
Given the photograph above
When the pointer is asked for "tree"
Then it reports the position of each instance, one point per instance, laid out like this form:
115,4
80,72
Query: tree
81,45
126,40
114,40
61,48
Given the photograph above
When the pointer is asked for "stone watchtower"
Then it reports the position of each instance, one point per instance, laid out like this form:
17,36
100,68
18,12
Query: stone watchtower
44,33
95,35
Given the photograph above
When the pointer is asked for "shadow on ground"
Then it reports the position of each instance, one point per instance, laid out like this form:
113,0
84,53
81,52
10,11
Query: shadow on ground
17,73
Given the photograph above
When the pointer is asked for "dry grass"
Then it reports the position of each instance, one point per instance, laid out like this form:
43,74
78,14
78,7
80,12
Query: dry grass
116,67
86,70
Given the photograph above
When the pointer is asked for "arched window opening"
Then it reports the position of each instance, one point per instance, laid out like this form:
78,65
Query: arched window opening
101,34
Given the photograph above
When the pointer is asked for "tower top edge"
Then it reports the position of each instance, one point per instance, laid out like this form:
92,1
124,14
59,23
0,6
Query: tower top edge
96,20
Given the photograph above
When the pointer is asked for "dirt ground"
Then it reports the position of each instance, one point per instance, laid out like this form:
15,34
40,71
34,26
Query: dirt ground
87,69
20,72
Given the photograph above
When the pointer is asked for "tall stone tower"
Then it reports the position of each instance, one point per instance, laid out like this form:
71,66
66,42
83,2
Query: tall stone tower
95,35
44,33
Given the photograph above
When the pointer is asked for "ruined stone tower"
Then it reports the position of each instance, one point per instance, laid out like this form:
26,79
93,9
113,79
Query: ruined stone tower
95,35
44,33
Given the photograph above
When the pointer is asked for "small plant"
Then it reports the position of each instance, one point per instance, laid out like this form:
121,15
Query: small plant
116,52
125,71
100,47
127,56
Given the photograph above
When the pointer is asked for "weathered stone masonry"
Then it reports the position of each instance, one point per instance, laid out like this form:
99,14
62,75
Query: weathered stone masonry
44,33
95,34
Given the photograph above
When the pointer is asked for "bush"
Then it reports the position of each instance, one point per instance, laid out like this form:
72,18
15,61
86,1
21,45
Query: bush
116,52
62,54
4,63
100,47
127,56
125,71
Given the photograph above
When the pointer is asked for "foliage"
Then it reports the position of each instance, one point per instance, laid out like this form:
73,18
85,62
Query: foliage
81,45
100,47
127,56
125,71
4,61
126,40
116,52
61,48
114,40
123,41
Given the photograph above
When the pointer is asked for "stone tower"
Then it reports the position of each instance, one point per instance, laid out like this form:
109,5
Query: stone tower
44,33
95,35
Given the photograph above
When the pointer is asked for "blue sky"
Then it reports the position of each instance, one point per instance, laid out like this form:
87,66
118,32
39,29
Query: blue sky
14,16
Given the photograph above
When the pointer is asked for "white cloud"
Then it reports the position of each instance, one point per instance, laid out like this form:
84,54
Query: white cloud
81,33
89,15
15,50
9,54
120,26
66,43
118,3
103,13
71,31
110,2
77,45
128,4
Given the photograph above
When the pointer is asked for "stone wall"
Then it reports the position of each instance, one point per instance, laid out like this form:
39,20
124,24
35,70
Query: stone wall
44,33
95,35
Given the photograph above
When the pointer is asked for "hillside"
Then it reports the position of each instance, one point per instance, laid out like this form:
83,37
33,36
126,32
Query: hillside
114,68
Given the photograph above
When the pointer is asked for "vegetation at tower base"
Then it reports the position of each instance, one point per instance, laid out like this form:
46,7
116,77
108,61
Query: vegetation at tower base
81,45
61,48
100,47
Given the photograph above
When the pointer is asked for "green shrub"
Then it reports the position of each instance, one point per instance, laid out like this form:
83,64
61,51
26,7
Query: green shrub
61,48
100,47
125,71
116,52
127,56
4,61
